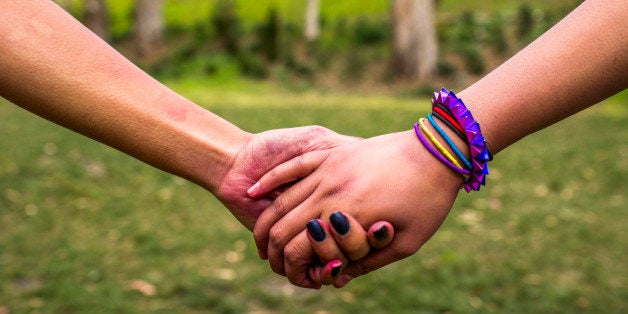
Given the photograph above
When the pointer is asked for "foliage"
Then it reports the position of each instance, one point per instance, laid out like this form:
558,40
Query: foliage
80,222
466,43
370,32
263,38
269,36
226,25
496,34
525,21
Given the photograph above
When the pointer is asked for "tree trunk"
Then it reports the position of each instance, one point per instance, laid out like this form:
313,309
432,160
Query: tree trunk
311,20
415,50
96,18
149,26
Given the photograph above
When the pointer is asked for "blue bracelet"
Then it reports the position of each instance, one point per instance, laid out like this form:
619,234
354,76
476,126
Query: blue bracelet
451,144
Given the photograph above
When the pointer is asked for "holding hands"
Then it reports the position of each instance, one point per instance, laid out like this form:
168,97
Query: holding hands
389,177
306,193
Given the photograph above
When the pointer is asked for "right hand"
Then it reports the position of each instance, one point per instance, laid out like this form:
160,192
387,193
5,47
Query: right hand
340,242
390,177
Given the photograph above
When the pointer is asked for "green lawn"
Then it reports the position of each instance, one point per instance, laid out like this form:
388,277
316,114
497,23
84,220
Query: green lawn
79,221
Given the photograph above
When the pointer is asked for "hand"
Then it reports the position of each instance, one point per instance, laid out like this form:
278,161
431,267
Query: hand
390,177
336,243
257,155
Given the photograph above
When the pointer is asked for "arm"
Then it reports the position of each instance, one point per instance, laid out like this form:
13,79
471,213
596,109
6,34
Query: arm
577,63
53,66
574,65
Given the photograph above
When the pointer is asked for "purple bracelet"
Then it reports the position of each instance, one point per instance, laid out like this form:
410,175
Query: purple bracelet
440,157
480,154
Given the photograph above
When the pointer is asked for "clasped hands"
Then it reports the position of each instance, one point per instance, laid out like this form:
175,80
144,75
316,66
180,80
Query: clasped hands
277,181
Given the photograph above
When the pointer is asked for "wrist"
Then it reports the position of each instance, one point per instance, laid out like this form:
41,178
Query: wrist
214,146
427,164
189,141
452,111
486,118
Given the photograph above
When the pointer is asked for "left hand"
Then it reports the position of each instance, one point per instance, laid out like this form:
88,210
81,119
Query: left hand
258,155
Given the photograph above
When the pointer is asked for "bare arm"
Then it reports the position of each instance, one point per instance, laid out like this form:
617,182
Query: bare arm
576,64
54,67
51,65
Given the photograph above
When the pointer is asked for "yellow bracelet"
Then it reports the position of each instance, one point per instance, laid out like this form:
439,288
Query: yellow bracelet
438,145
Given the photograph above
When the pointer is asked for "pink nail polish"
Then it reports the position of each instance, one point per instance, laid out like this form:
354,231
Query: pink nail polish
252,191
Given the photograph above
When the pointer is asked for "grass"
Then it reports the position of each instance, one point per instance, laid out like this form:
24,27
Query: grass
80,221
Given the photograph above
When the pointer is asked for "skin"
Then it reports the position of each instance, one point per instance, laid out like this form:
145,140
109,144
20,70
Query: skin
54,67
579,62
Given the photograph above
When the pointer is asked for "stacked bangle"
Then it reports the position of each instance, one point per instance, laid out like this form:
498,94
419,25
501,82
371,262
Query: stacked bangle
433,151
451,144
450,110
436,143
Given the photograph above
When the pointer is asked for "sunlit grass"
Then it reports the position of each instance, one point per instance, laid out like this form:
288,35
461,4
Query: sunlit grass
80,222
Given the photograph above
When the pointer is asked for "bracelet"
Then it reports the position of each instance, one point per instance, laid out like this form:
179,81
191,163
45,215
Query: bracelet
433,151
436,143
477,144
451,126
451,144
448,117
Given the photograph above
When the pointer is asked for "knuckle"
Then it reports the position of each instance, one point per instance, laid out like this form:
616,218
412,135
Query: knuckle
362,268
292,254
300,163
317,130
259,234
280,206
276,236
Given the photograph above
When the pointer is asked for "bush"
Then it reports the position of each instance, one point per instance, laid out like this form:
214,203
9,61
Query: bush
467,44
496,34
525,21
445,68
268,36
227,26
355,64
251,66
370,33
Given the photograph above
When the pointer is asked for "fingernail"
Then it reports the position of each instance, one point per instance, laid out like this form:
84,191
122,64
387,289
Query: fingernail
335,270
381,233
315,230
339,222
252,191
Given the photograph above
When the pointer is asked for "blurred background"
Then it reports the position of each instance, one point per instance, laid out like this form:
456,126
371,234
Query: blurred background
84,228
322,43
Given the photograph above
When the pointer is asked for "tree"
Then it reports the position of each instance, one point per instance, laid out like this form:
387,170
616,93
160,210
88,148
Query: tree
148,31
311,20
415,50
96,17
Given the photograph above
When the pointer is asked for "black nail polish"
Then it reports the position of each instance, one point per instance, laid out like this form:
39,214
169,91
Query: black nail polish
381,233
316,230
339,222
335,271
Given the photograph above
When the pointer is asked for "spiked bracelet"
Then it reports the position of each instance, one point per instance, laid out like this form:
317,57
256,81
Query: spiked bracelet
480,154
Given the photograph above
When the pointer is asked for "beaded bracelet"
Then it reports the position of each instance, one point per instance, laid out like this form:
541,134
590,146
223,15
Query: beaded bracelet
436,143
451,144
433,151
480,154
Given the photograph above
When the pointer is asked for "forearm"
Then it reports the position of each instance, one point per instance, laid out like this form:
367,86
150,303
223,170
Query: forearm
579,62
54,67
